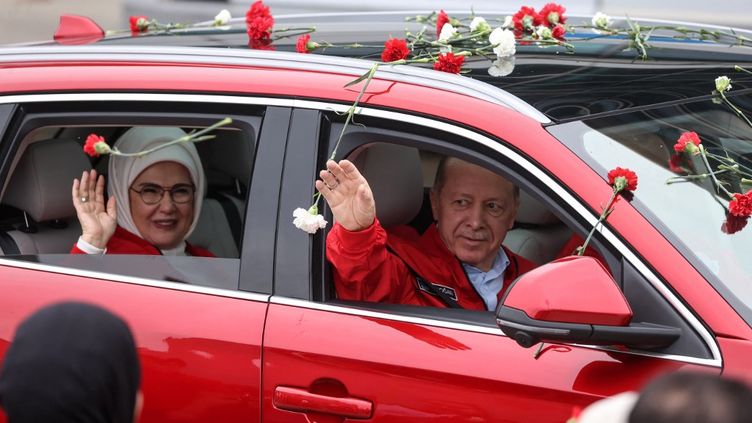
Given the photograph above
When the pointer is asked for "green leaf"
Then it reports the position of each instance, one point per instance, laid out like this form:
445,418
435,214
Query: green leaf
358,79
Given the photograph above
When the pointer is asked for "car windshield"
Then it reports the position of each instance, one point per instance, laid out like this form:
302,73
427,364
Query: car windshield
692,214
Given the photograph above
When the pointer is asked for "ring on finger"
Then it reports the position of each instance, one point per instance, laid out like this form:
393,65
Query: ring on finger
331,187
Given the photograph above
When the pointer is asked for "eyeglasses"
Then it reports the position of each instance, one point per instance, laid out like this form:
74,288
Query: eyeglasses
152,194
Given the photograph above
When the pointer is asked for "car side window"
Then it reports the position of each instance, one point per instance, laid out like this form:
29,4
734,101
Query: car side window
39,221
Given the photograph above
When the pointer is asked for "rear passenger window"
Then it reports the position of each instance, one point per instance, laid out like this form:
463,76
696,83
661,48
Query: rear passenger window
40,223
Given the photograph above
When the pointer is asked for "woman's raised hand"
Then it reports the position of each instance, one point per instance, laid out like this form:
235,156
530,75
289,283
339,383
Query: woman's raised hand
348,195
98,222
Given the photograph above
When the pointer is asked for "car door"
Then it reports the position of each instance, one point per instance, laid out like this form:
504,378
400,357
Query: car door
198,328
327,360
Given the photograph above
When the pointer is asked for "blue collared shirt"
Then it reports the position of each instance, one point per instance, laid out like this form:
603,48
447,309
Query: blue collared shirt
488,284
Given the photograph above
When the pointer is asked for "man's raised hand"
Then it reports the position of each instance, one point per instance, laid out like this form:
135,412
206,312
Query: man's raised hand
348,195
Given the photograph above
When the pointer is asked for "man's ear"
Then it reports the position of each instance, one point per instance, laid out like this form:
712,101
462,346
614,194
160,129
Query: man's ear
434,198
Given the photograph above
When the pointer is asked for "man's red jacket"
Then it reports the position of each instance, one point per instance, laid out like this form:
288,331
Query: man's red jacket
404,267
124,242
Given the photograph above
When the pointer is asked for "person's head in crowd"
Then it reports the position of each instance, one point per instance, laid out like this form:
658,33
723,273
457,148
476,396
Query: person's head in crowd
473,208
685,397
144,207
613,409
71,362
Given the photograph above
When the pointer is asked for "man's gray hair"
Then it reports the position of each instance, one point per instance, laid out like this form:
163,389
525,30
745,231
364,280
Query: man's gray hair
438,183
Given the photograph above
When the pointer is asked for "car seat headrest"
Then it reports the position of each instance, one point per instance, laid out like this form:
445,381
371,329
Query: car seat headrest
531,211
394,175
41,182
229,158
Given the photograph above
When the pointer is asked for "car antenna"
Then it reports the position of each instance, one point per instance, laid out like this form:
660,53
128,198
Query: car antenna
77,29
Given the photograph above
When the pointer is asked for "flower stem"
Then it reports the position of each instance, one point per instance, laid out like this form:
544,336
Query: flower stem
367,77
735,109
741,69
712,174
197,136
351,111
581,249
693,177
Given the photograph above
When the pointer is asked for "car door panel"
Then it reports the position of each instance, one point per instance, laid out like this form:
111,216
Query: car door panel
413,371
200,354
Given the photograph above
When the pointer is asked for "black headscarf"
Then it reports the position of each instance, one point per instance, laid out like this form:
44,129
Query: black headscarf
70,362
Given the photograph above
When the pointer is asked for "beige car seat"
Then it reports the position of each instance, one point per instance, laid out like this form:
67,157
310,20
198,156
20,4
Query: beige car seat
394,174
538,234
40,188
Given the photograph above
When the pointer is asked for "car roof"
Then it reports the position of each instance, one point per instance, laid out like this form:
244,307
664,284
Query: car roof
602,75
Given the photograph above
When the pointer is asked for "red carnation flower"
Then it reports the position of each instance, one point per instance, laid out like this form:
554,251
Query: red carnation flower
622,178
95,145
302,44
688,141
395,49
261,44
552,14
526,19
733,224
442,19
559,32
741,205
449,63
259,21
675,164
139,23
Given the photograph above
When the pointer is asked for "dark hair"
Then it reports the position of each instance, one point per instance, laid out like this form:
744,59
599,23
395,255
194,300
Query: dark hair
685,397
438,183
71,362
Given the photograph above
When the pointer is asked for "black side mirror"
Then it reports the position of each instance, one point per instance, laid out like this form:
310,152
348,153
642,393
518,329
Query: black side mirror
575,299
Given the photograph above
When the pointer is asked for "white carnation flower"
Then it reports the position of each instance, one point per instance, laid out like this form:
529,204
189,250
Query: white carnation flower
447,32
479,24
503,42
508,23
544,33
601,20
722,83
308,220
502,67
222,17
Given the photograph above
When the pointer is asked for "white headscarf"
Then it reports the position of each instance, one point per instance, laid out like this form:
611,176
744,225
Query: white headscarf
122,171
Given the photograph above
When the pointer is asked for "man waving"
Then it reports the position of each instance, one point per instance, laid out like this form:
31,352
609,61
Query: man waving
457,262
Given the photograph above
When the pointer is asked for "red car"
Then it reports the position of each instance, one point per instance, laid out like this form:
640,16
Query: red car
257,333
